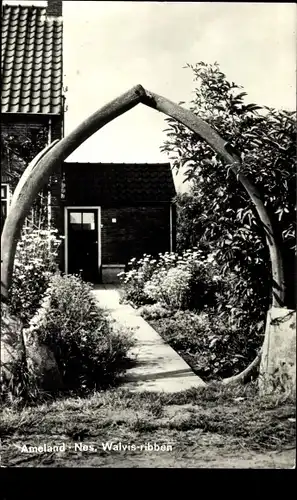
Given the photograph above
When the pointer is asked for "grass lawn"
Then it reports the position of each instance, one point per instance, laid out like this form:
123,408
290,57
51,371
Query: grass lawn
213,427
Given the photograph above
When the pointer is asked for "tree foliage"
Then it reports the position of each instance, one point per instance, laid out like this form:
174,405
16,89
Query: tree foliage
217,215
17,151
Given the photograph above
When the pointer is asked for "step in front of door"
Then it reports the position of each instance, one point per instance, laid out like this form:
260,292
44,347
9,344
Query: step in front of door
110,273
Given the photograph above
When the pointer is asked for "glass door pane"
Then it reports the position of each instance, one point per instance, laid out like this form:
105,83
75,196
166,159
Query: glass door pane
88,221
3,192
75,219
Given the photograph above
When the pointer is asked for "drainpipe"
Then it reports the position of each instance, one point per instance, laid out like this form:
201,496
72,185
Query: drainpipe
49,196
49,136
63,117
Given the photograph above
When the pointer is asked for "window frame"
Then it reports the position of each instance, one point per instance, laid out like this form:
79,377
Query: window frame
82,224
6,199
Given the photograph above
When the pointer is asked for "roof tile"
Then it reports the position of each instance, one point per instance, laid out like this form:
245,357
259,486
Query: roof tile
31,63
117,183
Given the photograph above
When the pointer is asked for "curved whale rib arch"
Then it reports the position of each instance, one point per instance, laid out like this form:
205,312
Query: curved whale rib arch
33,179
37,175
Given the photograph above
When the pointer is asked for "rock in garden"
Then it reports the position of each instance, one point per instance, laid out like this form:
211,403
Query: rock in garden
12,346
41,361
22,346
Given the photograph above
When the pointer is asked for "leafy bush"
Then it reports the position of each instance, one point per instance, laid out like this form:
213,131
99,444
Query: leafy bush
217,215
35,262
170,287
134,279
204,281
212,348
224,338
155,311
88,350
16,380
140,272
181,281
19,150
22,388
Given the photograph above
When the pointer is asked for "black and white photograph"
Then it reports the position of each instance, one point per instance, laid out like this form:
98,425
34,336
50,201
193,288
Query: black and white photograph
148,234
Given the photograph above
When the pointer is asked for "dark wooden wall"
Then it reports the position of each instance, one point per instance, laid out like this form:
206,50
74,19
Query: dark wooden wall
137,230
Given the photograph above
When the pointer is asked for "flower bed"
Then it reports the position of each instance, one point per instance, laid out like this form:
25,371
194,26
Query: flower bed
186,299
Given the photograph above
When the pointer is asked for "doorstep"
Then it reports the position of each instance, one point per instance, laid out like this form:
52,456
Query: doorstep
109,273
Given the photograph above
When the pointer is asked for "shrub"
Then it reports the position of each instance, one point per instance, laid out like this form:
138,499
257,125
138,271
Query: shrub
90,353
18,383
22,387
218,213
155,311
181,281
219,343
170,287
35,262
133,281
210,346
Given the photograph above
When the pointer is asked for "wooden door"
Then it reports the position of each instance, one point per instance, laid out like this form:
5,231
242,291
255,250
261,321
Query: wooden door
83,245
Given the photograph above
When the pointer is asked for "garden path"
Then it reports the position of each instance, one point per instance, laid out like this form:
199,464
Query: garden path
159,368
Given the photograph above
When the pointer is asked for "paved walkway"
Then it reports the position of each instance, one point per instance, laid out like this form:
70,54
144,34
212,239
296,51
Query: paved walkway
159,367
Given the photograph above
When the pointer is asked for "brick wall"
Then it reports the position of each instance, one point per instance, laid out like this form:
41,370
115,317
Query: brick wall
137,230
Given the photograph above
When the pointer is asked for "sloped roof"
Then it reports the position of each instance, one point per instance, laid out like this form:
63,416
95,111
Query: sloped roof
31,61
116,183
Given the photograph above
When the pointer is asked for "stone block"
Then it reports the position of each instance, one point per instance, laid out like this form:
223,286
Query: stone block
278,362
110,273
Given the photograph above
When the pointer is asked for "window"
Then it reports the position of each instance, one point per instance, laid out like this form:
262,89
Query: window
82,221
4,203
75,220
88,221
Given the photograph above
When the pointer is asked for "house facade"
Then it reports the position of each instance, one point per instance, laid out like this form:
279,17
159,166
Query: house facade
108,213
32,102
114,212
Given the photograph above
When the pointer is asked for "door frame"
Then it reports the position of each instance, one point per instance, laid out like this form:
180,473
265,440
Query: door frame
66,246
